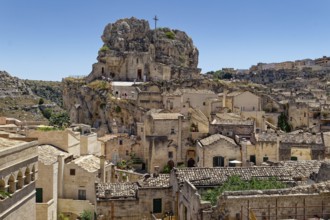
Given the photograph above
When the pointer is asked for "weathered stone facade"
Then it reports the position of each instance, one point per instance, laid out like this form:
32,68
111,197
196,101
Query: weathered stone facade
18,174
133,52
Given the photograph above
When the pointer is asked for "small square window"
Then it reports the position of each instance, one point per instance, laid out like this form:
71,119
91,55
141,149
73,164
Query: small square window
72,172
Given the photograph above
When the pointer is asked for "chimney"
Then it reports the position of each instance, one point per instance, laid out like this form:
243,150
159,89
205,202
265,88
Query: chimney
156,172
60,160
102,168
224,97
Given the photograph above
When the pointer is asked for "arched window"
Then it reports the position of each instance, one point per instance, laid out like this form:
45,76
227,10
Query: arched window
19,184
12,185
27,174
218,161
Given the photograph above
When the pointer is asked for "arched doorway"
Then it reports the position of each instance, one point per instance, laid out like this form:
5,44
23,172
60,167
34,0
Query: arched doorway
170,164
191,162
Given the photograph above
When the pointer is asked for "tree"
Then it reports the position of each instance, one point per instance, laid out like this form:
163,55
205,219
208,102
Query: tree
60,120
86,215
283,123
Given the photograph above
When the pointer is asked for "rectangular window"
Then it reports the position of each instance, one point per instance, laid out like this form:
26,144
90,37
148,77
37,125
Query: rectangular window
265,159
170,155
81,194
294,158
38,195
253,159
172,131
120,142
72,172
127,152
157,206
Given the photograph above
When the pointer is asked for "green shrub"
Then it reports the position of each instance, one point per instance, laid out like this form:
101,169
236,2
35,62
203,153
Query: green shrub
235,183
104,48
41,101
86,215
166,169
118,109
46,112
170,35
60,120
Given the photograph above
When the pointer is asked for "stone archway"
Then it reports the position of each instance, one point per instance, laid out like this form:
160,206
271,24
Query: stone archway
170,164
191,162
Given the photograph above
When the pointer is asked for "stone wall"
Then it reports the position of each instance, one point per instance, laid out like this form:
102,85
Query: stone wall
66,140
75,207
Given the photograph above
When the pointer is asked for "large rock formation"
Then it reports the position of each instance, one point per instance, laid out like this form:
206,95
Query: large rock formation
133,52
17,100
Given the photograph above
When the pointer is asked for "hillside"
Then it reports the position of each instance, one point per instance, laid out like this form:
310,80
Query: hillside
18,100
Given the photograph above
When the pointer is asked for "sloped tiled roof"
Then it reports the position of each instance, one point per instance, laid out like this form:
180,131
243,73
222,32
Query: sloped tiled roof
206,176
165,116
116,190
162,180
214,138
6,143
47,154
302,168
89,163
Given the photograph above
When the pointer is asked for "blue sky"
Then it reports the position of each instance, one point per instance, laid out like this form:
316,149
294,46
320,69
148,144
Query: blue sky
49,40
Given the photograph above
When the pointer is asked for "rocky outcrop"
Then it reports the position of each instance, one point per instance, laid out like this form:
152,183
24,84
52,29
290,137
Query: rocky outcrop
133,52
49,90
17,100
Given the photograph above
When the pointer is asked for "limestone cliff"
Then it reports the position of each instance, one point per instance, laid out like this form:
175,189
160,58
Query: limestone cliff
17,100
134,52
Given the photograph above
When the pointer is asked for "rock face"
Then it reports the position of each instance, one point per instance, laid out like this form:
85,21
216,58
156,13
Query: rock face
17,100
133,52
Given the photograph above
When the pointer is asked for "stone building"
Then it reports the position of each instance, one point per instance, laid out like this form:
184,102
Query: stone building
231,127
18,175
78,140
162,140
301,202
149,198
118,147
189,183
286,146
298,115
49,185
133,52
182,99
217,151
150,97
125,90
241,101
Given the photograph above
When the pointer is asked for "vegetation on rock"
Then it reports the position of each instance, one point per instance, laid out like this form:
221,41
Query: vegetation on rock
61,120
